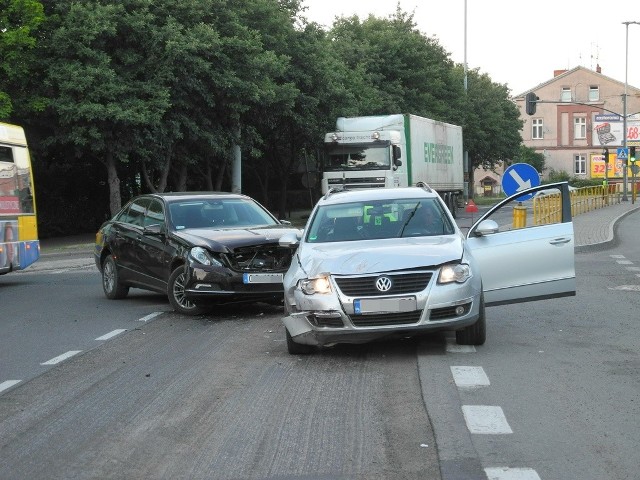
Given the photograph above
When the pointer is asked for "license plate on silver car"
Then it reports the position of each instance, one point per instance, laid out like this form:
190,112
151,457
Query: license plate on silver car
384,305
262,278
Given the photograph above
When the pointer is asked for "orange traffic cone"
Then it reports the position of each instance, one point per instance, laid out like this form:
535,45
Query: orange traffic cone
471,207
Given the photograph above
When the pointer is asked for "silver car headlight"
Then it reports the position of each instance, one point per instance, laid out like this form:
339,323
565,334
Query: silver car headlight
311,286
459,273
203,257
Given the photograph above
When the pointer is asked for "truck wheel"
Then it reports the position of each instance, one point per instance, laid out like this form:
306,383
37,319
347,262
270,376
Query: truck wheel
453,207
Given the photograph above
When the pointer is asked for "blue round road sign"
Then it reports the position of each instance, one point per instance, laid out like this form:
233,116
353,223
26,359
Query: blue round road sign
519,177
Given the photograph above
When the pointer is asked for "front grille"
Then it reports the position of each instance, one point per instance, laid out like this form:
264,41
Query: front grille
262,258
448,312
384,319
366,286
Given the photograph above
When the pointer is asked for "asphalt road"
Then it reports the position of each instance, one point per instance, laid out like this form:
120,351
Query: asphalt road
217,396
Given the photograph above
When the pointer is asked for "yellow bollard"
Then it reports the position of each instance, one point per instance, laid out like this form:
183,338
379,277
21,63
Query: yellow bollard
519,216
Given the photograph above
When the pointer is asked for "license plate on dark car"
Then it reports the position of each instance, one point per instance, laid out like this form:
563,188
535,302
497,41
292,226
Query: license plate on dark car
262,278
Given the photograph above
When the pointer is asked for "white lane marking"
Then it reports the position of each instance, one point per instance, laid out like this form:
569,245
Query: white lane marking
616,256
469,376
150,316
485,419
109,335
453,347
624,262
506,473
629,288
8,384
62,357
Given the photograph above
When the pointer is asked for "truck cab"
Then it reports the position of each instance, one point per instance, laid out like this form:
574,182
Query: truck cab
370,159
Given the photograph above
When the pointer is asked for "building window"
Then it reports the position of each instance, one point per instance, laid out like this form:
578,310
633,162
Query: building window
536,129
580,164
566,94
594,93
580,128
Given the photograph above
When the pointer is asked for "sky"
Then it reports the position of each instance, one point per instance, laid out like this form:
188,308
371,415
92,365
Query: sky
516,42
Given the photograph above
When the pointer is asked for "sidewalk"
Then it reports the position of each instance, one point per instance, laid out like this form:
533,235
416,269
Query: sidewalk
596,228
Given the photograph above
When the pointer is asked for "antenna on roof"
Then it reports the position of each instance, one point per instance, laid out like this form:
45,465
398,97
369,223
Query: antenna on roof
596,56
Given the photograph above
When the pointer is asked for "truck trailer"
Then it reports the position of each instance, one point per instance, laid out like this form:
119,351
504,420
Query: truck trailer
396,150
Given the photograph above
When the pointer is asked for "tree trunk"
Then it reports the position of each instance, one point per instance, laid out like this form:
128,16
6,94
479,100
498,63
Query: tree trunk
220,177
114,184
181,182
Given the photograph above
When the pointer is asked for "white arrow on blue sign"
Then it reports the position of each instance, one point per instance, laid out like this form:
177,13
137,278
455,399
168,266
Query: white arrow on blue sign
519,177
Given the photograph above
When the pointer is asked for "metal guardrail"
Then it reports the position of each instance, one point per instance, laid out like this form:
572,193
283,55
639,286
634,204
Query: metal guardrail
548,209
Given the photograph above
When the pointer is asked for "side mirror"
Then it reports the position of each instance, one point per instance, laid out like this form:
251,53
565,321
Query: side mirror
397,152
289,239
487,227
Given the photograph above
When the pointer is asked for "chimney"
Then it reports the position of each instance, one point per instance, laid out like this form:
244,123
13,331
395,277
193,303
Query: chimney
558,72
598,68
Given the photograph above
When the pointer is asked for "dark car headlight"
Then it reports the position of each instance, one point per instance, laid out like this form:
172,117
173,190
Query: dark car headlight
457,272
203,257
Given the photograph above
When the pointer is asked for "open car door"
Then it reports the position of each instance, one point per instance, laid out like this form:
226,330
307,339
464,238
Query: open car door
525,246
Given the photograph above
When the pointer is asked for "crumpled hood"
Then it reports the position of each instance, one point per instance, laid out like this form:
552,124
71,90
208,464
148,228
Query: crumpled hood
374,256
227,239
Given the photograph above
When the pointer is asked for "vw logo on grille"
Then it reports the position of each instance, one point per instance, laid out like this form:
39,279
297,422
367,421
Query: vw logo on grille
383,284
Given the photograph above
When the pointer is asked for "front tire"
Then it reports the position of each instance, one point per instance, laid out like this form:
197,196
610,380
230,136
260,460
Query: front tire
297,348
113,288
175,292
475,334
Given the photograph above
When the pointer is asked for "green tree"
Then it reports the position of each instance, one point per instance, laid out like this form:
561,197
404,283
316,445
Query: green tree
19,20
405,71
530,156
490,120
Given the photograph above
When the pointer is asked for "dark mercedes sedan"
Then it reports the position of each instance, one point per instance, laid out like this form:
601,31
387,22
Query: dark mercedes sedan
200,248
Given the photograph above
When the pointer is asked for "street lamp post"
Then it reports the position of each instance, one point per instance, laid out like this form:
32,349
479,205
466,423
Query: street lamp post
624,109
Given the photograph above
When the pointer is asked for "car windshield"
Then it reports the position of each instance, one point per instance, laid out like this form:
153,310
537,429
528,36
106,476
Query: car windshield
219,213
354,157
379,220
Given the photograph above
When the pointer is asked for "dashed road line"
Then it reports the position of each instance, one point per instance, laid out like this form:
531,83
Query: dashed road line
112,334
62,357
486,420
149,317
8,384
506,473
453,347
470,377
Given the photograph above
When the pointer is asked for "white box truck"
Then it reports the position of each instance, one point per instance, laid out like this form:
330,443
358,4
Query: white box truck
395,151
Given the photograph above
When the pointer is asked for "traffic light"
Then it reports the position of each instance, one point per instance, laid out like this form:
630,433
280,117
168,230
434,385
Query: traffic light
530,103
605,154
632,154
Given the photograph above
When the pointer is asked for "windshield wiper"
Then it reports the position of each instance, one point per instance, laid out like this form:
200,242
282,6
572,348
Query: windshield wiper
411,214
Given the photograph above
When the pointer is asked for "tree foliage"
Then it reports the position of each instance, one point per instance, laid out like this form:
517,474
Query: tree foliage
153,95
19,21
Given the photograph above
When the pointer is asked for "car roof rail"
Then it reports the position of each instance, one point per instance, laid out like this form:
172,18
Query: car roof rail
424,186
333,190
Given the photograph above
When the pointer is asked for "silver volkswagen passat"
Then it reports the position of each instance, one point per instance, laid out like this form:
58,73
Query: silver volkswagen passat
386,262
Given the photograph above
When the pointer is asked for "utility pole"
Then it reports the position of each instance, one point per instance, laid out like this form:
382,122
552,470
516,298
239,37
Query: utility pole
624,110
